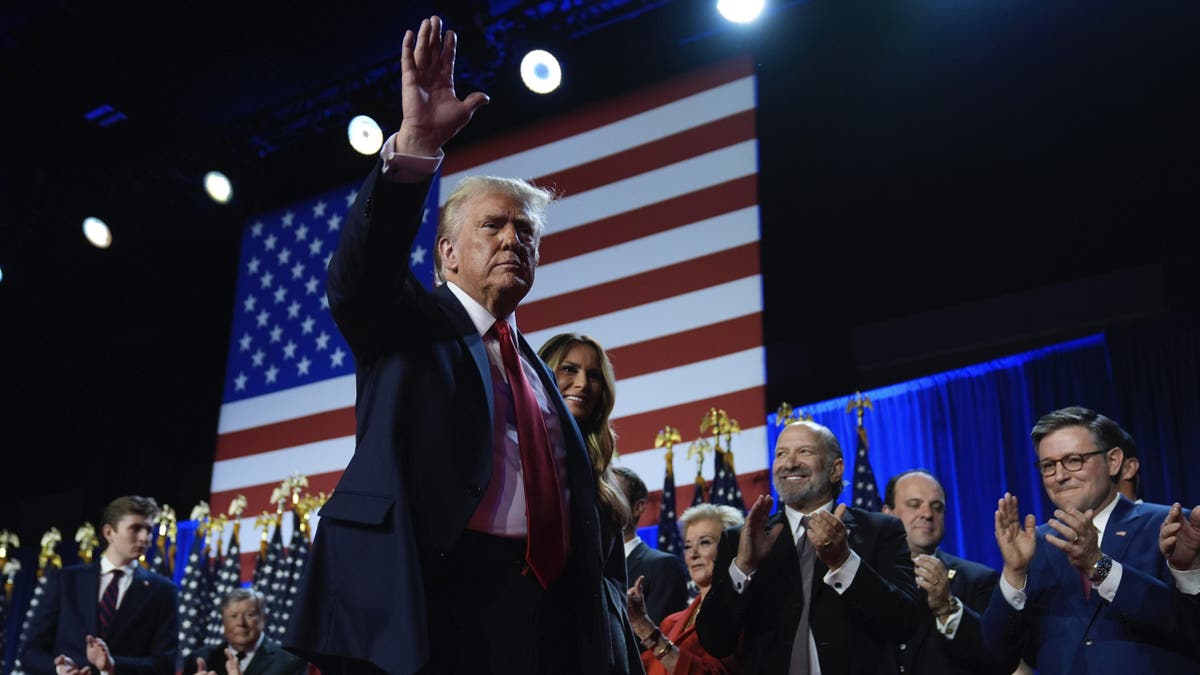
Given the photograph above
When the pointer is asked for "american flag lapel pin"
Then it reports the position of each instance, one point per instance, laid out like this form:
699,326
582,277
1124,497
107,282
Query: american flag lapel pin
1120,533
950,574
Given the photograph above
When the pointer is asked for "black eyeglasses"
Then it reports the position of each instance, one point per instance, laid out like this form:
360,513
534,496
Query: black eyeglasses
1070,462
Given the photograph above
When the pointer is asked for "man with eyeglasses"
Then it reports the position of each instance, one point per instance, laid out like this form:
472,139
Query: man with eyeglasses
1088,591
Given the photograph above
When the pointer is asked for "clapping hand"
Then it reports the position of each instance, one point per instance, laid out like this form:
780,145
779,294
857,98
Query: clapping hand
1016,543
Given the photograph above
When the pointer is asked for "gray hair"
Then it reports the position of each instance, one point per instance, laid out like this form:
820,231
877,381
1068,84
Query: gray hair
727,516
240,594
535,199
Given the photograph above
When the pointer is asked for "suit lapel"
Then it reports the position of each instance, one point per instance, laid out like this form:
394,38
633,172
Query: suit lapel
466,331
1122,527
261,658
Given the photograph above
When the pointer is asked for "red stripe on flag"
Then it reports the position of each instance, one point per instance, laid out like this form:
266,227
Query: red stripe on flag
656,154
600,114
258,497
678,349
658,284
286,434
752,484
638,431
692,207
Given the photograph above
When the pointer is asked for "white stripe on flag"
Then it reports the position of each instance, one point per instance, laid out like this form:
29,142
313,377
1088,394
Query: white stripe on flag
651,187
308,399
664,317
712,235
630,132
694,382
272,466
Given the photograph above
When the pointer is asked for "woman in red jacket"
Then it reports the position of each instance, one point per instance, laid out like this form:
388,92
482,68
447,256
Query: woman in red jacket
673,647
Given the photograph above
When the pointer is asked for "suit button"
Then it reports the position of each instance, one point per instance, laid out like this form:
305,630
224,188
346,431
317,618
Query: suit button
837,584
902,669
903,646
474,490
1087,643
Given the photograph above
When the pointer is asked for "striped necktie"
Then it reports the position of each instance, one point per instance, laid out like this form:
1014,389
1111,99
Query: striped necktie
108,604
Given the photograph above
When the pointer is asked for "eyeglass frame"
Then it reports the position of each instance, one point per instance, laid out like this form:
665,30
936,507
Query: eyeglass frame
1043,464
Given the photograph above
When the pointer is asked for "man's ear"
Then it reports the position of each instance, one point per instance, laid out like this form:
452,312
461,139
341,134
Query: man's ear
448,254
887,510
1115,458
1129,468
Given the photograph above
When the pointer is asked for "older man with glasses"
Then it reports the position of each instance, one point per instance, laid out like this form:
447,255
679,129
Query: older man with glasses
1088,591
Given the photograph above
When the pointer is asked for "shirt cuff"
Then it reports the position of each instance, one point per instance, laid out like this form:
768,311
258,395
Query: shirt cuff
1015,598
402,168
739,578
841,578
950,626
1187,581
1108,588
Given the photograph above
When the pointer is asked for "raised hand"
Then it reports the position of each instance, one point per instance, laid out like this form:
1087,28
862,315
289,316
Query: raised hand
66,666
1080,539
433,114
635,604
231,662
828,534
755,542
1016,543
1179,538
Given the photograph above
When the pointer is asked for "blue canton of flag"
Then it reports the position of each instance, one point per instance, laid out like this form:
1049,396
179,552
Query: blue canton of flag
283,334
866,490
725,488
193,598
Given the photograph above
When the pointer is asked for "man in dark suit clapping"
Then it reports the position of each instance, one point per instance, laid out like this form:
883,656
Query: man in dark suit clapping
246,650
954,591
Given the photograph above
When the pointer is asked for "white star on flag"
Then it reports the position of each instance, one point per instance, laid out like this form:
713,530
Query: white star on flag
418,255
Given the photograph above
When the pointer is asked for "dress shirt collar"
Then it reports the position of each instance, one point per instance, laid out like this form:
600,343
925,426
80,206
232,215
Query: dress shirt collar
632,544
245,660
107,566
482,318
794,517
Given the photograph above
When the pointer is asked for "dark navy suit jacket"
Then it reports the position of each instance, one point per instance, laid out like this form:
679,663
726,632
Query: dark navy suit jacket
851,630
422,462
144,636
1059,631
269,659
666,578
930,652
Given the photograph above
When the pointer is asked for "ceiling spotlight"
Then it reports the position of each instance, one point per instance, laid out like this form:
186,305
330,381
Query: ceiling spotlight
217,185
365,135
540,71
741,11
97,232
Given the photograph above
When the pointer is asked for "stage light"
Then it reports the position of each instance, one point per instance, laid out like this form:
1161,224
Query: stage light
741,11
1,275
97,232
540,71
217,185
365,135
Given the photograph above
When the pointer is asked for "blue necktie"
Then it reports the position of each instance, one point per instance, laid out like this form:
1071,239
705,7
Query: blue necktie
108,604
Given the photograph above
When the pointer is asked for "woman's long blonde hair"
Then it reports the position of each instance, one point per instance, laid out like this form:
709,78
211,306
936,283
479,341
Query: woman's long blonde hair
598,434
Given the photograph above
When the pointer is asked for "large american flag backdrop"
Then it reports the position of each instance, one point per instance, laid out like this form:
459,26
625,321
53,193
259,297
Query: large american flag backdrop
653,250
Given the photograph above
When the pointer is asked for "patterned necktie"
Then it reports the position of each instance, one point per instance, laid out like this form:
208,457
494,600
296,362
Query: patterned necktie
546,545
807,555
108,604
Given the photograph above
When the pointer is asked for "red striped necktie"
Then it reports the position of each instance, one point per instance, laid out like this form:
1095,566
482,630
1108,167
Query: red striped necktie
546,545
108,604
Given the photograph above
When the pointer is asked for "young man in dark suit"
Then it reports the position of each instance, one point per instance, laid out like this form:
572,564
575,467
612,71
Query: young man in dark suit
246,650
813,588
953,591
665,576
110,615
427,558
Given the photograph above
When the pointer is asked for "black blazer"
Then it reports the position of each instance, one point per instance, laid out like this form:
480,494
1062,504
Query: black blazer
270,659
928,651
422,461
665,586
144,633
851,630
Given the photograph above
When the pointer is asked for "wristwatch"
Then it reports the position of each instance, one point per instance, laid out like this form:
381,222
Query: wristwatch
1101,568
